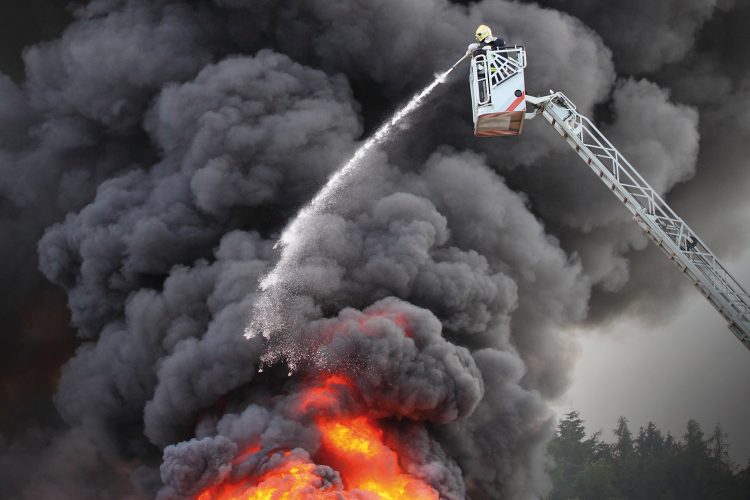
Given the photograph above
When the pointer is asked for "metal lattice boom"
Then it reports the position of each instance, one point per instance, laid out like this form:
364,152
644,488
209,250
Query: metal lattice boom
670,233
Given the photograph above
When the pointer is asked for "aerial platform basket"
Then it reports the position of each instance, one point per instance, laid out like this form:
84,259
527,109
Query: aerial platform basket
498,91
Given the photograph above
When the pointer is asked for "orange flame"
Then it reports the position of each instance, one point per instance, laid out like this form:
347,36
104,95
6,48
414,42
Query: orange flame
355,447
294,480
325,395
247,453
352,445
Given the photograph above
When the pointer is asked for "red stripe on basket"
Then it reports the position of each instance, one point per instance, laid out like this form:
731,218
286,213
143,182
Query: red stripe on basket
516,102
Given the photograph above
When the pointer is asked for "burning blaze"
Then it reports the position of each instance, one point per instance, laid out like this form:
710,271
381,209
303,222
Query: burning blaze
324,396
294,480
246,454
355,448
352,445
355,437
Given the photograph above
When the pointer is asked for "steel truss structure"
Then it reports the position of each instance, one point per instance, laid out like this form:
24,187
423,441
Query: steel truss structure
665,228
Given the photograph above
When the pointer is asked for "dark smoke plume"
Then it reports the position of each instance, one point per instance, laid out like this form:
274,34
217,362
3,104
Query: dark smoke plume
154,151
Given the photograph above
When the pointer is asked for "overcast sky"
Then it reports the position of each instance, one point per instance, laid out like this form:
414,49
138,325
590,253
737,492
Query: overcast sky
690,366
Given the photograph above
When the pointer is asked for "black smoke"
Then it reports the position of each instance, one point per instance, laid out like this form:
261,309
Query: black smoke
152,153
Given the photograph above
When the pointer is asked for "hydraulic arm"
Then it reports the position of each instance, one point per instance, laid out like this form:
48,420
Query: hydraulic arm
670,233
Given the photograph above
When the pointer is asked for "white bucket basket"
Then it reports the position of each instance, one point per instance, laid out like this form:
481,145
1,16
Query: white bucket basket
498,92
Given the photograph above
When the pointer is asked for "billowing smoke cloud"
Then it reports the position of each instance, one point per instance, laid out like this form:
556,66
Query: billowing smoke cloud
692,51
160,147
643,35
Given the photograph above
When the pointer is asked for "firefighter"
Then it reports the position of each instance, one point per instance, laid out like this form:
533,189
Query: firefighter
485,41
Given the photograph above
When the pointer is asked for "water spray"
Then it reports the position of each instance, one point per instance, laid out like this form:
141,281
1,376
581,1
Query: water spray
266,316
327,194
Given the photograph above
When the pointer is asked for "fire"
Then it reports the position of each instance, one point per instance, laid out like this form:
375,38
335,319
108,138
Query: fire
355,437
325,395
294,480
290,480
352,445
252,450
355,448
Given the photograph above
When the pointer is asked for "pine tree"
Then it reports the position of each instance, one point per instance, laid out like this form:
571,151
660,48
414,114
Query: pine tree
624,464
624,446
653,466
719,448
570,452
695,463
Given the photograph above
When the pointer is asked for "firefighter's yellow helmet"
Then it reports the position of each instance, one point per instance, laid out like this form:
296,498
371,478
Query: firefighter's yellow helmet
483,31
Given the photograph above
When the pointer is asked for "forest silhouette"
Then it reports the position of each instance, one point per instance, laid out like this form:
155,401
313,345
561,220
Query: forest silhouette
647,465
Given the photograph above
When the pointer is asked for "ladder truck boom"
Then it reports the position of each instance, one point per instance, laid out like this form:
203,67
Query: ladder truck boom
665,228
498,94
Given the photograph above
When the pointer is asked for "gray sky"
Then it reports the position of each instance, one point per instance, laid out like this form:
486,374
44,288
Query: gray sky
691,366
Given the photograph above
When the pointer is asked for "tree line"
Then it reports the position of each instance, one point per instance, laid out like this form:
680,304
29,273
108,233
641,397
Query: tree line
649,465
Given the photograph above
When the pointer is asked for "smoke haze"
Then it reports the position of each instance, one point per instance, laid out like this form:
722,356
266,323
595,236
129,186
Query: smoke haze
152,153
